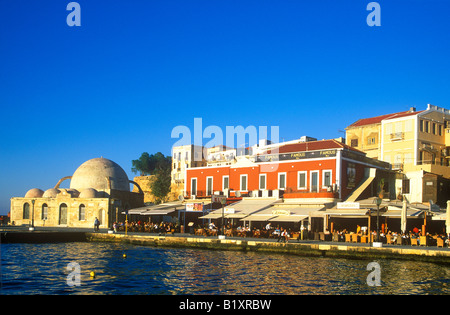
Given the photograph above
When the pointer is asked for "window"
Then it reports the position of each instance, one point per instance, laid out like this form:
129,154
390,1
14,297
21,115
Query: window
371,140
427,126
194,186
409,125
82,213
44,212
405,186
63,214
354,143
302,180
243,183
226,182
262,181
440,130
421,125
315,181
26,211
433,128
326,178
281,180
209,186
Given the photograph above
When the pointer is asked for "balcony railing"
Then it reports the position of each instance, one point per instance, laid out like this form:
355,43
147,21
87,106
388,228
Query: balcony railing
397,136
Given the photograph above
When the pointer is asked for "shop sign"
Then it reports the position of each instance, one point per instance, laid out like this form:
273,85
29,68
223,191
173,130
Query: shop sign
281,212
194,207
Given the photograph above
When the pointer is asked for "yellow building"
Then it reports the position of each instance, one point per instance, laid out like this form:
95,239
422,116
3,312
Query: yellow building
365,134
415,143
99,188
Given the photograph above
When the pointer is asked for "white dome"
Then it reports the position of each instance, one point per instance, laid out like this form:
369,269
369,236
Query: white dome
100,174
34,193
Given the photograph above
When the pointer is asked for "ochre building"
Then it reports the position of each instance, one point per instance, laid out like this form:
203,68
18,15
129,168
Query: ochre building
99,188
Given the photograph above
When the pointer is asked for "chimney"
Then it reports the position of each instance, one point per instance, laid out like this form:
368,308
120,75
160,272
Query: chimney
412,109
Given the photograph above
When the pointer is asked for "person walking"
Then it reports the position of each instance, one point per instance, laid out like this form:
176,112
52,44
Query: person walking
96,225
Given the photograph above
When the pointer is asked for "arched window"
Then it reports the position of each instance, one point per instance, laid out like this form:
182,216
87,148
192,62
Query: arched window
82,213
44,213
63,214
26,211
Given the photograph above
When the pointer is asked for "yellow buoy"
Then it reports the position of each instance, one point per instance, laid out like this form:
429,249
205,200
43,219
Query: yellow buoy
92,274
124,255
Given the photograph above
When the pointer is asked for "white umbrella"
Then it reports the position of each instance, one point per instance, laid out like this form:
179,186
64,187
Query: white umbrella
403,216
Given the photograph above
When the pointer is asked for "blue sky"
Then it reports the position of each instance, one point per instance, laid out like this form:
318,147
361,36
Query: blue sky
117,85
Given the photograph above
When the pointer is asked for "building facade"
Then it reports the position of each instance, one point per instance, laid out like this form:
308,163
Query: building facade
99,188
416,143
309,170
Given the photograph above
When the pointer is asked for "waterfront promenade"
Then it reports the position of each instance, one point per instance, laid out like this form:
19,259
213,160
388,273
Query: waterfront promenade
294,247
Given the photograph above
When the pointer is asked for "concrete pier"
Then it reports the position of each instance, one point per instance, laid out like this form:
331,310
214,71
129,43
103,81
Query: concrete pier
41,237
302,248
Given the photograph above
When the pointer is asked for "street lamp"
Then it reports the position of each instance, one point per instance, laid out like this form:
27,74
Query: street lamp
378,201
223,201
32,215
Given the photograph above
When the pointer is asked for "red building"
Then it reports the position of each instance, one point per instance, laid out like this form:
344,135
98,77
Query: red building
317,169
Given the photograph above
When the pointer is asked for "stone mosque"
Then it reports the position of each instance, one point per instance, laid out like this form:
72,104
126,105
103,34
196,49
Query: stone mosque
99,188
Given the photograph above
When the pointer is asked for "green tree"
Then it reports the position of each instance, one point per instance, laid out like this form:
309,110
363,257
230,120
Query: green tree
151,164
161,185
158,165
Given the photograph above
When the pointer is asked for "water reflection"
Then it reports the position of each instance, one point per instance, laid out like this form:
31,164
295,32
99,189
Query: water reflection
41,269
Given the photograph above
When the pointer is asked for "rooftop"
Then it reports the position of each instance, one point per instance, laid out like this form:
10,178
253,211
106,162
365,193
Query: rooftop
378,119
313,146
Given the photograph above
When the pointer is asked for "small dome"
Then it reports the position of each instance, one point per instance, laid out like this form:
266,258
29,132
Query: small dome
51,193
73,192
88,193
34,193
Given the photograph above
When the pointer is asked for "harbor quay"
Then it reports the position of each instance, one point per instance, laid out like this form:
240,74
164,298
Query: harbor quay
310,248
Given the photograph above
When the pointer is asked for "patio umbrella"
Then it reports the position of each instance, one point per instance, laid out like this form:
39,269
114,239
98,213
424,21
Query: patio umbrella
447,222
403,216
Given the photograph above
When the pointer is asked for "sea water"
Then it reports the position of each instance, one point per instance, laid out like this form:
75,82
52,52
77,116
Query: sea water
43,269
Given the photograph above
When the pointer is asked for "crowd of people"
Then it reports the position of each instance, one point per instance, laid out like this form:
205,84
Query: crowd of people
283,234
404,238
149,227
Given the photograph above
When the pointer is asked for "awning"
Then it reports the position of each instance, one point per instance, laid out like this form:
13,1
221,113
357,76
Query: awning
241,209
282,213
161,209
289,218
346,212
439,216
394,212
212,215
258,217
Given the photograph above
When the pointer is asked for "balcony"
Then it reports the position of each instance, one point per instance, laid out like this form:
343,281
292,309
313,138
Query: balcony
429,166
396,136
397,166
